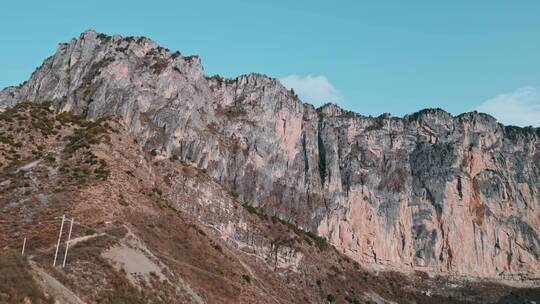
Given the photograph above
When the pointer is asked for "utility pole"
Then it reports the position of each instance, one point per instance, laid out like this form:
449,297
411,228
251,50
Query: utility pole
59,238
67,243
23,245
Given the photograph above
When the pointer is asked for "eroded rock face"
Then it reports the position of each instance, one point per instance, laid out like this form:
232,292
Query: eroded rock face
434,192
428,191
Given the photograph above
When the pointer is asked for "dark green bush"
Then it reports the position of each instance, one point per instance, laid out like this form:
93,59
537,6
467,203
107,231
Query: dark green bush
246,278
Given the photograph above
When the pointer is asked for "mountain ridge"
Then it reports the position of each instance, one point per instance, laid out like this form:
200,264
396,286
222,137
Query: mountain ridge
227,79
402,193
150,229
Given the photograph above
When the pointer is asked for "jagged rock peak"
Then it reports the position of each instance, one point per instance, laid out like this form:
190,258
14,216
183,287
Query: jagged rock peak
139,46
96,46
429,112
251,79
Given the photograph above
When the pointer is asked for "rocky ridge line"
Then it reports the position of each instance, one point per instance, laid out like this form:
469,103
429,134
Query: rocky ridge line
428,191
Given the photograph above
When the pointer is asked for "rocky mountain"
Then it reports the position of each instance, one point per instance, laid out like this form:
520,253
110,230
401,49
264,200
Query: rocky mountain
150,229
428,192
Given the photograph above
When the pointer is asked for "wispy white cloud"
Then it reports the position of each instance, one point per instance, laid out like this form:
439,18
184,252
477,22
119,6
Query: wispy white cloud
520,107
313,89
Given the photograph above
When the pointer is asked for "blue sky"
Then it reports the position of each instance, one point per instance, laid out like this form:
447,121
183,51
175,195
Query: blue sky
368,56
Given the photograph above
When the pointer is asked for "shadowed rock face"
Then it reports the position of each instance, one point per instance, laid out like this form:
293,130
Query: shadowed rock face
428,191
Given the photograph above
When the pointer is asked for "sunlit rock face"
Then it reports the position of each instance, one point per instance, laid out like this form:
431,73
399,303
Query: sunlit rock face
435,192
427,192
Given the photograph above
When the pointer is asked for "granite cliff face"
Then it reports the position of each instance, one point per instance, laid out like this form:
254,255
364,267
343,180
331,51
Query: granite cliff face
428,191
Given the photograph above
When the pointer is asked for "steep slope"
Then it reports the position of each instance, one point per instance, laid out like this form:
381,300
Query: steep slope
151,229
431,192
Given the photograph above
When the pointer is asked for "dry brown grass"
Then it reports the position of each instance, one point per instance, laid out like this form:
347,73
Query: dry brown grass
16,282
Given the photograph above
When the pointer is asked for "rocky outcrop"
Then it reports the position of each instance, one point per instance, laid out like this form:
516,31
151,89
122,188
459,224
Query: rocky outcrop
435,192
428,191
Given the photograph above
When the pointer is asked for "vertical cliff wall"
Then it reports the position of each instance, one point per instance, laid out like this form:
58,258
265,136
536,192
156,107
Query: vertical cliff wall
428,191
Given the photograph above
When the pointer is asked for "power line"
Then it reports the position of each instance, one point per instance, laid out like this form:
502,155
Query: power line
59,238
67,243
23,246
163,256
